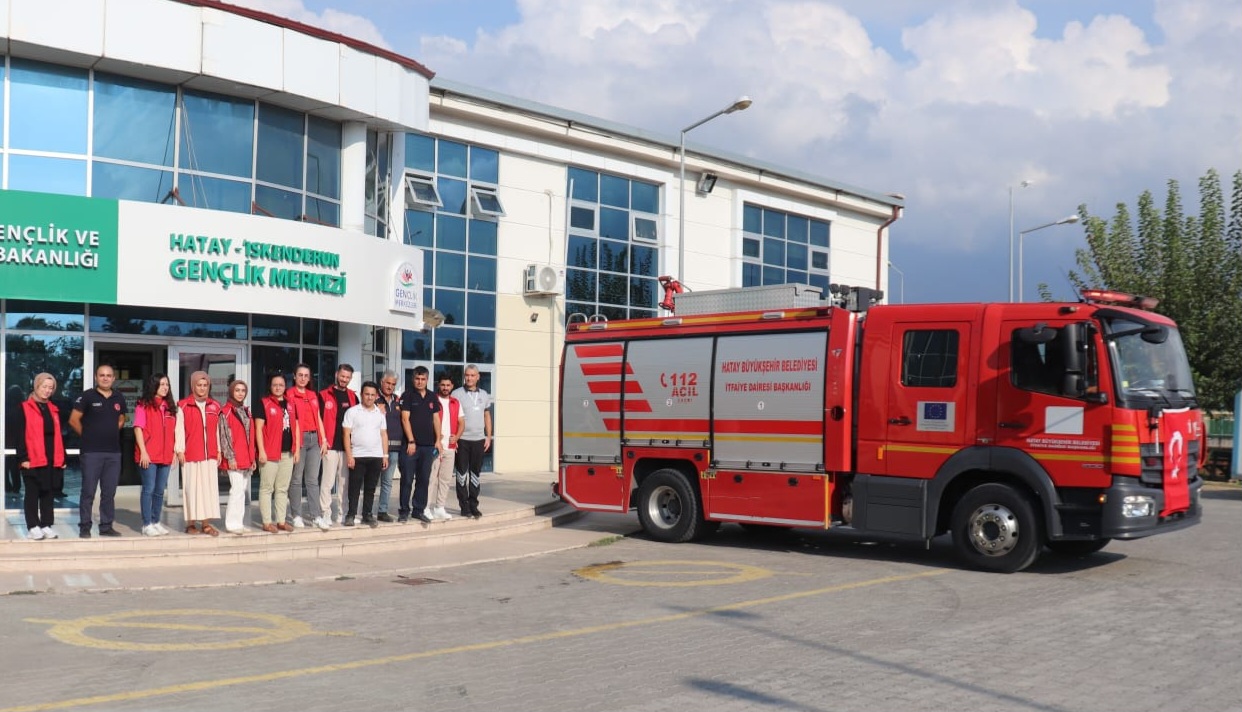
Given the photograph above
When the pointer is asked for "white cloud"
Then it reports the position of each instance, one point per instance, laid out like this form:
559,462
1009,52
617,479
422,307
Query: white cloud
343,23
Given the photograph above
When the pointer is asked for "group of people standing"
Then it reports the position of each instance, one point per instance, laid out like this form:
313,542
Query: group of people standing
337,445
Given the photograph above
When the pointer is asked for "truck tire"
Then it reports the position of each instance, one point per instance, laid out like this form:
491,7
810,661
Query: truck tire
1077,548
995,528
668,507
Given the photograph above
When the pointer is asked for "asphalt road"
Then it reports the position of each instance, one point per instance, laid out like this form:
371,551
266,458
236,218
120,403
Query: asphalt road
807,622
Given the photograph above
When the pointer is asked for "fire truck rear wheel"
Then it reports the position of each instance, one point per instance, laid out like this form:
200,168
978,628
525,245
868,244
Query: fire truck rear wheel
995,528
668,507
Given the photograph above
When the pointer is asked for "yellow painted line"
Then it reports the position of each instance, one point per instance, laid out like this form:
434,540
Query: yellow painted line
1119,448
207,685
591,435
664,435
1125,460
724,573
1125,438
278,629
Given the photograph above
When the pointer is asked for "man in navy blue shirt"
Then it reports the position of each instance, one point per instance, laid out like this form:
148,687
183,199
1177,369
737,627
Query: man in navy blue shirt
420,419
98,415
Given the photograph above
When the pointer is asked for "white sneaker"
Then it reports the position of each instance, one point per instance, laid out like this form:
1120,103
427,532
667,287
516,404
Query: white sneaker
35,534
323,523
150,530
299,523
160,529
441,513
49,533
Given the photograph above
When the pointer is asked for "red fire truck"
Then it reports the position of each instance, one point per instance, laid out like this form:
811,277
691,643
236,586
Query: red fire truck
1013,427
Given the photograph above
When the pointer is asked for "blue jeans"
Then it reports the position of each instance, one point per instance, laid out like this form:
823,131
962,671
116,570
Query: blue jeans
385,485
154,482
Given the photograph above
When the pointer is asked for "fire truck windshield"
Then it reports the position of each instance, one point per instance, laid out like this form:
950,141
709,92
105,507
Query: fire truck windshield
1149,361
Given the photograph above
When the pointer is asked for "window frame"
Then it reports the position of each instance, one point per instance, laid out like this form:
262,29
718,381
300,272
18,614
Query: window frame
412,199
476,191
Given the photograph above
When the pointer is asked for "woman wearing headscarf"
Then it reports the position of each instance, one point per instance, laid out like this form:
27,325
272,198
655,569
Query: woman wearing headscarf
40,454
197,446
237,454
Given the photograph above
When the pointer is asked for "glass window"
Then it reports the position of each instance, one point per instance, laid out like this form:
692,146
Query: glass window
450,270
929,358
267,360
453,193
42,316
645,229
580,285
452,159
797,226
26,356
819,260
281,138
613,256
415,346
752,275
324,212
614,288
773,223
779,243
323,157
795,256
643,261
135,120
420,229
750,247
642,292
614,191
451,303
581,218
112,180
486,202
154,321
448,343
584,185
215,193
482,273
481,309
65,176
420,152
646,197
819,233
484,165
614,223
217,134
421,192
482,237
451,233
581,252
320,332
277,203
752,219
480,346
269,327
47,108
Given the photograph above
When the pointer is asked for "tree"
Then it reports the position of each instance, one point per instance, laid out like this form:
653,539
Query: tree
1192,264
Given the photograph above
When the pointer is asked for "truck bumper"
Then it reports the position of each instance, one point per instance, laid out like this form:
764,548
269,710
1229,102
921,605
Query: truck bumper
1115,525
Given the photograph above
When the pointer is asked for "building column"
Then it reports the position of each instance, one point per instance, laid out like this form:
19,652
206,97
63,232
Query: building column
353,218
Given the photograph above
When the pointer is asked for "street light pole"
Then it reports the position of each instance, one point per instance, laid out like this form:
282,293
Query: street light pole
1023,184
902,277
739,105
1067,220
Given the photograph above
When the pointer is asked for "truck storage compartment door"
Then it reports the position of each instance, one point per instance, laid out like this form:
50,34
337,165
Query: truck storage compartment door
768,415
839,393
665,401
590,439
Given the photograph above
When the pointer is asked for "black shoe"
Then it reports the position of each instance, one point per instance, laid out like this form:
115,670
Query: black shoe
402,519
423,518
84,534
349,521
385,517
109,532
371,523
476,513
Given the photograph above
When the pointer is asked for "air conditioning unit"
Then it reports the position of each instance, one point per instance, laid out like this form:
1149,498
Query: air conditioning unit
542,280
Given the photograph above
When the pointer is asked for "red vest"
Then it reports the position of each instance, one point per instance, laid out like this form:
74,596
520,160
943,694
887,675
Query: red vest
157,435
34,435
243,442
454,420
330,428
199,434
274,425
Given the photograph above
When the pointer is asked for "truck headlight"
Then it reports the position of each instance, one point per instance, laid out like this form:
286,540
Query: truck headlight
1137,505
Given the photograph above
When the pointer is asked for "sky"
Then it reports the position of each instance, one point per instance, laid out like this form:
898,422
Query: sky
952,104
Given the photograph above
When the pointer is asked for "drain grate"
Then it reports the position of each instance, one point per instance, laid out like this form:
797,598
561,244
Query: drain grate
417,581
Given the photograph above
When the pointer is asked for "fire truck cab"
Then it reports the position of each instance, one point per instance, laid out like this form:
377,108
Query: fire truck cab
1013,427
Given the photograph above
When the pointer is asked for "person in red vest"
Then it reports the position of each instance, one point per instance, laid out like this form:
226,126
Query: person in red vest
452,422
277,427
237,454
335,400
40,453
155,420
197,446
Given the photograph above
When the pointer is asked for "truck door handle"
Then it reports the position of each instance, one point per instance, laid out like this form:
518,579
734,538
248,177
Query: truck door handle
1014,426
903,420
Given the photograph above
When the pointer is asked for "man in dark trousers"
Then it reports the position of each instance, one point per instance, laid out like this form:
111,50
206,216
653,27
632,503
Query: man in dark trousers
420,419
97,417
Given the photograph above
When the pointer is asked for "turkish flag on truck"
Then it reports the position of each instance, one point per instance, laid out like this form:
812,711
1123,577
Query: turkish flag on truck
1177,427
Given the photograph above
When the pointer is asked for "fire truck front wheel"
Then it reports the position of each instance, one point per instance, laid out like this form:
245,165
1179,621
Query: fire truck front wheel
668,507
995,528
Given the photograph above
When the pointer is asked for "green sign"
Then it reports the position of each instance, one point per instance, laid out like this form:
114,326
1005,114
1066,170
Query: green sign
57,247
254,264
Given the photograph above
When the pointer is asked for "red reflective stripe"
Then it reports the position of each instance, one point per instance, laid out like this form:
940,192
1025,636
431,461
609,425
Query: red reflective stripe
785,427
605,369
599,350
613,387
631,406
612,423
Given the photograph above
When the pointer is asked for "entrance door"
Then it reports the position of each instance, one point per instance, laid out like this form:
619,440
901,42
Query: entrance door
134,363
223,364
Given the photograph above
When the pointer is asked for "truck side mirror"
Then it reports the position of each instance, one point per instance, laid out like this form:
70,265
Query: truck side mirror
1073,341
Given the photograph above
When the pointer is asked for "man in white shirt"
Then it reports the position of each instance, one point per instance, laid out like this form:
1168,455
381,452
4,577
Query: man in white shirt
452,420
365,429
476,439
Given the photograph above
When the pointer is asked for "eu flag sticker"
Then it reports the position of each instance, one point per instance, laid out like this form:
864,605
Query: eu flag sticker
937,416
